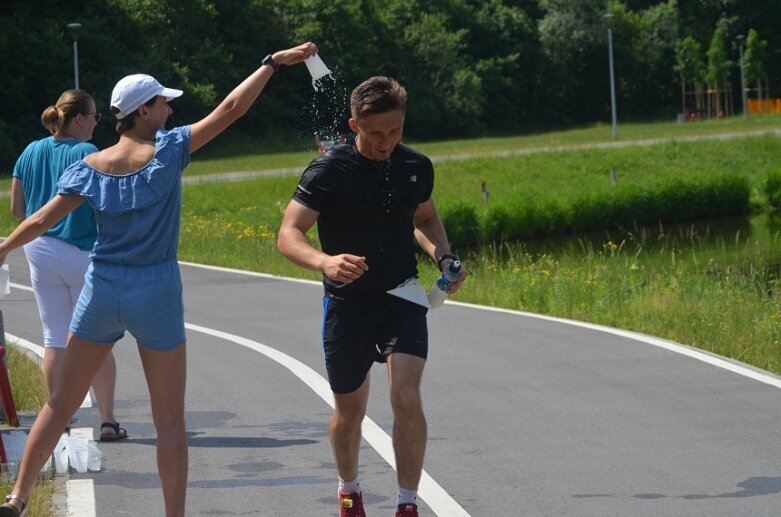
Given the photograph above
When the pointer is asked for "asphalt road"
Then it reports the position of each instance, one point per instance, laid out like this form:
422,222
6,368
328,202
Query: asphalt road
527,416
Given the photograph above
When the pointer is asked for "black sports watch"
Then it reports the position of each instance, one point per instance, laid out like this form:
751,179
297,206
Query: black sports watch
269,60
444,257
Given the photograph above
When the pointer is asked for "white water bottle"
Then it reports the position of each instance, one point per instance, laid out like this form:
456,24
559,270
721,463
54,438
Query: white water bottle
436,297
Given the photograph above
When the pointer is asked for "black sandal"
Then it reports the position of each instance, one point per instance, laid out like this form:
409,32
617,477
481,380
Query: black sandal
8,510
120,433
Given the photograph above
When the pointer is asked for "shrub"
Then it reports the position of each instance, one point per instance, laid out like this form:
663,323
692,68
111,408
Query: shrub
461,224
496,224
772,188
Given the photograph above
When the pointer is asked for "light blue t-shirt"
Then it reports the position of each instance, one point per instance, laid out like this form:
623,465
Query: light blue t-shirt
39,168
137,213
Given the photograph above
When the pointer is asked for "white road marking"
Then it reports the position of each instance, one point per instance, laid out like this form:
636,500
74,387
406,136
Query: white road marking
705,357
81,498
81,492
429,490
712,359
36,349
440,502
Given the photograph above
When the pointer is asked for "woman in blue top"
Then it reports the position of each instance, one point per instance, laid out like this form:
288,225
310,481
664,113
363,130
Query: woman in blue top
133,279
59,258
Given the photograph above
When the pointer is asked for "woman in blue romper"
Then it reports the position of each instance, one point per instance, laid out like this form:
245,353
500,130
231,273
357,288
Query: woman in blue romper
133,280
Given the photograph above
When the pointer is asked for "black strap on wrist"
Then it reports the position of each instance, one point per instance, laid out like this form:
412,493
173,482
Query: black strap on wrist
269,60
444,257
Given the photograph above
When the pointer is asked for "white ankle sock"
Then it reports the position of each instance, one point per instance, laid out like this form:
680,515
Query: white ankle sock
349,487
406,497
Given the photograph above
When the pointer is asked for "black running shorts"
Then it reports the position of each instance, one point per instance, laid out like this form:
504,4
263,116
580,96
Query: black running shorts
358,333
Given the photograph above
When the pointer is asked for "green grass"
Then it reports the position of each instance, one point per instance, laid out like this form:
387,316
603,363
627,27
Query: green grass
243,156
249,161
599,133
40,504
235,225
683,291
686,293
567,175
29,392
27,385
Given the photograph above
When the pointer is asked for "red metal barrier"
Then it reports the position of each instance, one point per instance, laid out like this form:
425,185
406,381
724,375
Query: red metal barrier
5,392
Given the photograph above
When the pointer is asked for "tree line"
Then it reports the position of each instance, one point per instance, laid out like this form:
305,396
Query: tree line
471,67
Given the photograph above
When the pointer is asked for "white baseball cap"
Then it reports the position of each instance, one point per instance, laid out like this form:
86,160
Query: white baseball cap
134,90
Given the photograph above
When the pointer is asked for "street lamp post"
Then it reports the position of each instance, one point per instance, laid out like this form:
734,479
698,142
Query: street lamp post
609,17
742,78
73,28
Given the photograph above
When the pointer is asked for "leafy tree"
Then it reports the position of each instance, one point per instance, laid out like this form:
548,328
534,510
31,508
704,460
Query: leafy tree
755,60
690,66
645,45
573,38
718,67
502,40
470,66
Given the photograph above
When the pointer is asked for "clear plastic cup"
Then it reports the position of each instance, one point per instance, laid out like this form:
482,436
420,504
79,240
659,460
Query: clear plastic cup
61,461
93,457
78,453
317,68
79,459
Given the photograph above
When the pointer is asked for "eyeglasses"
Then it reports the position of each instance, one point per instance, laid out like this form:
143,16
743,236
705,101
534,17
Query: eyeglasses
97,116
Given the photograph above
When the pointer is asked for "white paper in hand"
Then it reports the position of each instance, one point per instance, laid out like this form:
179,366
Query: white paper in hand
412,291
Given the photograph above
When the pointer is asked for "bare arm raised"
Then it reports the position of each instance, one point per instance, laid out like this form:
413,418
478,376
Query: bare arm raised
236,104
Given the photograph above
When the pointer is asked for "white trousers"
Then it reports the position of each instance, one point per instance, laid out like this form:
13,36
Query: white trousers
57,275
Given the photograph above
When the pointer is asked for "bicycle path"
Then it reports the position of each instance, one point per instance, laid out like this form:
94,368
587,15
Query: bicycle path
527,415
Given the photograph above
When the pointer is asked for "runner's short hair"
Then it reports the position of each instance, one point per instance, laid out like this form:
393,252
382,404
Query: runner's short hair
377,94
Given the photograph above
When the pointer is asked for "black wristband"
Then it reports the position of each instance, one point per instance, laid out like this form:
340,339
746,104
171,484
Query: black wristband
269,60
444,257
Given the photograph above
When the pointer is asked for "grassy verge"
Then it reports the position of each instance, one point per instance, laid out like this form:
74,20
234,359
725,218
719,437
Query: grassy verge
686,296
40,503
245,156
689,298
686,293
29,392
27,384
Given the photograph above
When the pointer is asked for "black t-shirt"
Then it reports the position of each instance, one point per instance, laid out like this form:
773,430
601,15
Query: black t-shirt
366,208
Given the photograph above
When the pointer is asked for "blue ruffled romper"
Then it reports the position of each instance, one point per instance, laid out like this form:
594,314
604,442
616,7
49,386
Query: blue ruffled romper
133,281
